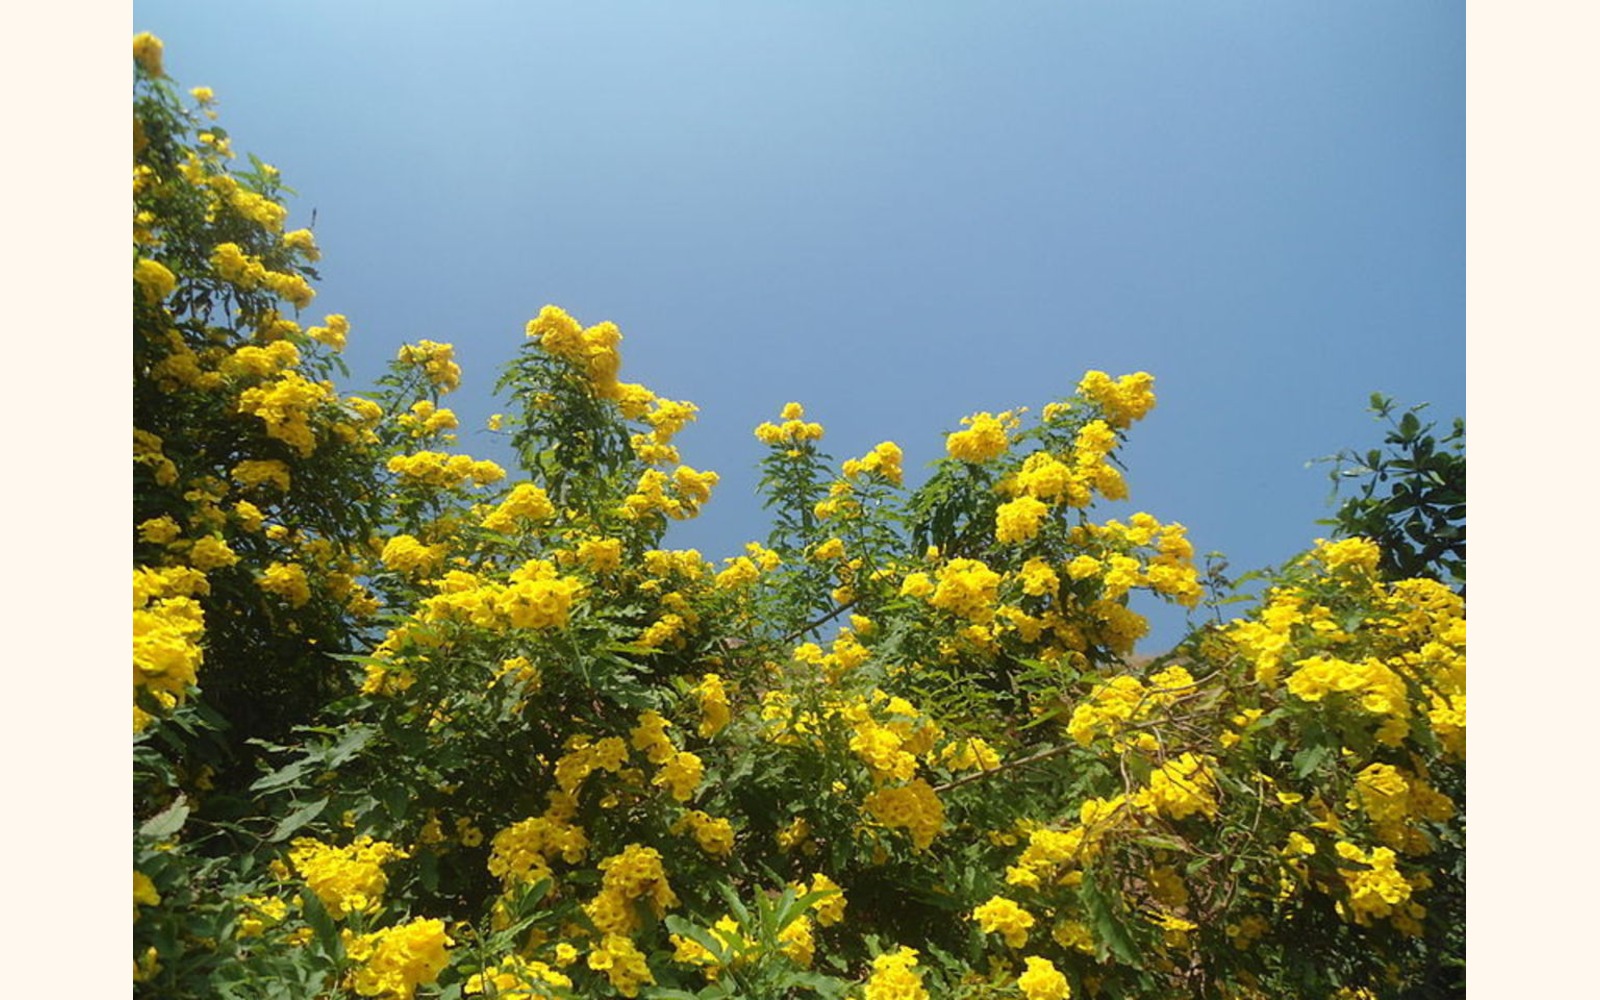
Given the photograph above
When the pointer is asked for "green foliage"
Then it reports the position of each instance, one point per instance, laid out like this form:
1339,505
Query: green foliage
408,726
1419,521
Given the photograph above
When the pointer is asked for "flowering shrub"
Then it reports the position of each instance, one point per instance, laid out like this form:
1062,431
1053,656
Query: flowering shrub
407,723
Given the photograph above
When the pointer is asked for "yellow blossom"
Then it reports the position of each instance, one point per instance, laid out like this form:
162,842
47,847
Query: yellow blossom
984,438
346,879
393,962
1005,917
147,53
1041,980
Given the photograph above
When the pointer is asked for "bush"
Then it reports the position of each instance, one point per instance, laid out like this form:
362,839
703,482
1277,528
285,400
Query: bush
406,725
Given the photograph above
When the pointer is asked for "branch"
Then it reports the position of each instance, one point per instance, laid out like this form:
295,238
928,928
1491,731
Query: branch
1054,751
813,626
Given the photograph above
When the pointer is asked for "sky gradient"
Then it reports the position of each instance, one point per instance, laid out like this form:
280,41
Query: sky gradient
897,214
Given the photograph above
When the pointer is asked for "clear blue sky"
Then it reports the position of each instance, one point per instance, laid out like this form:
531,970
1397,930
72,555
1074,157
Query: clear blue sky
897,213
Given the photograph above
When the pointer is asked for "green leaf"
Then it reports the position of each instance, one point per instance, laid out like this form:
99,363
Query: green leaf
347,747
395,799
735,904
826,986
699,936
428,870
167,822
283,776
295,820
1309,759
1110,934
321,922
1163,842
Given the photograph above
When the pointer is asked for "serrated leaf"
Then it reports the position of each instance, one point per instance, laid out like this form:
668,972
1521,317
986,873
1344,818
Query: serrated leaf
1309,759
321,922
1110,935
283,776
347,747
295,820
167,822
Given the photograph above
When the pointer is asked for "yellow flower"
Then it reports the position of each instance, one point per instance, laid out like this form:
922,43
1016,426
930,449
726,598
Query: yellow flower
601,555
254,472
514,976
1038,579
830,908
346,879
212,552
623,964
984,438
967,588
147,53
680,775
713,833
1377,889
1018,520
914,807
793,431
894,977
715,712
1358,553
144,892
334,332
436,361
396,960
260,912
1042,981
285,406
1124,400
159,530
1004,916
884,460
405,554
287,580
829,550
153,277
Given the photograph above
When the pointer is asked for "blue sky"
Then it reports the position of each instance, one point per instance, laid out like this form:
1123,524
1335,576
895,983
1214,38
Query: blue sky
895,213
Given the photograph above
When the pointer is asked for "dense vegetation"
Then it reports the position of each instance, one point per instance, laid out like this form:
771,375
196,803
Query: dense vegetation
406,724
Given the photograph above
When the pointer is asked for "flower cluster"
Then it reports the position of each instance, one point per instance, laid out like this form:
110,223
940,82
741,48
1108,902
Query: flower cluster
914,807
394,961
882,461
568,760
515,976
1004,917
794,430
436,469
346,879
984,438
1123,400
635,874
167,627
894,977
436,361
